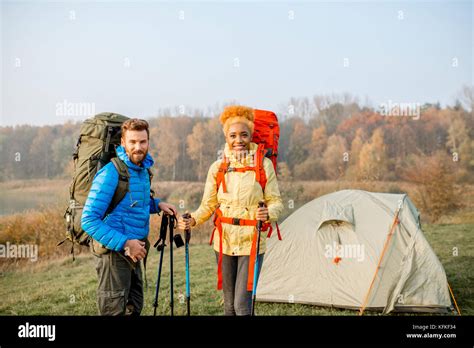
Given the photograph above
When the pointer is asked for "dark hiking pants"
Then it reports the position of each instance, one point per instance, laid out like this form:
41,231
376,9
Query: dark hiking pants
120,290
237,300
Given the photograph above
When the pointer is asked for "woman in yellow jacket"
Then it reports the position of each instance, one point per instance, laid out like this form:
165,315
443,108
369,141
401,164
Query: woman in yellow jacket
235,204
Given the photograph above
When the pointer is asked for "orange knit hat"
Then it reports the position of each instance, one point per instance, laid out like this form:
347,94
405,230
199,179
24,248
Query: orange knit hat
237,114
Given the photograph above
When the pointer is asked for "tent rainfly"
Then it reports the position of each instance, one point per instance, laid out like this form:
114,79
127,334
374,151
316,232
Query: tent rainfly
357,250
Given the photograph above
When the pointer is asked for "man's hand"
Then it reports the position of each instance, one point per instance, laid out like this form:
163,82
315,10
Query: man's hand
135,249
168,208
262,214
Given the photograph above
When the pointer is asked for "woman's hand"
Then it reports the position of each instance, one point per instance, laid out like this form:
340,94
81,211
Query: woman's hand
262,214
186,224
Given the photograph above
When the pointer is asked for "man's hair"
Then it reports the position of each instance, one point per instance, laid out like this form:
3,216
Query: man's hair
135,124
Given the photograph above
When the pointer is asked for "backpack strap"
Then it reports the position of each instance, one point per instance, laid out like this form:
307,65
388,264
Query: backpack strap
219,219
260,174
261,177
147,242
220,179
123,183
271,136
150,176
278,232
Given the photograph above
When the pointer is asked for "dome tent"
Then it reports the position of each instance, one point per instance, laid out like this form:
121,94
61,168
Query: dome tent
336,251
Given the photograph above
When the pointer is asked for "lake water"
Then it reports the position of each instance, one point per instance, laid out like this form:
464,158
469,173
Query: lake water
19,200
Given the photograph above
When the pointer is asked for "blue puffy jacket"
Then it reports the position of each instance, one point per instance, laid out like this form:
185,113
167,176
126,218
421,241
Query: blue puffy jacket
131,218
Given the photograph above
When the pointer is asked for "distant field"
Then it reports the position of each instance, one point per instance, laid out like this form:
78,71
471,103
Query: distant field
31,195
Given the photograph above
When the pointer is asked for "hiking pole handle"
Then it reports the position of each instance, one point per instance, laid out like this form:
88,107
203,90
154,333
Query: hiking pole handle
261,204
187,232
163,232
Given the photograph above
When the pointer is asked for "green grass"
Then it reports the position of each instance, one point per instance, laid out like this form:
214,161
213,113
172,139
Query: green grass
64,287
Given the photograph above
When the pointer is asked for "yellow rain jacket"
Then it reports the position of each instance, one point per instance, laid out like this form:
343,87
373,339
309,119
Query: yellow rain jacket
240,201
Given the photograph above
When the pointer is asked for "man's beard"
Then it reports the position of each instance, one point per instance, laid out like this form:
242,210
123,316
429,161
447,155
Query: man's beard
137,157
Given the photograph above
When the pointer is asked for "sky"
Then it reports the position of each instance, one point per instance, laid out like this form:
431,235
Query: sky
65,60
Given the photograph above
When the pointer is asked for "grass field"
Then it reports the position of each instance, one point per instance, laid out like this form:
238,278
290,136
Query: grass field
63,287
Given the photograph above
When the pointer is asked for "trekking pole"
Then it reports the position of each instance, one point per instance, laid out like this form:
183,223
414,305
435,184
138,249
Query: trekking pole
261,204
171,264
161,249
187,237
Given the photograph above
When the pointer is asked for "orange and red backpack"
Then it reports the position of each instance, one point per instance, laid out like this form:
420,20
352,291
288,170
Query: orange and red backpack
267,132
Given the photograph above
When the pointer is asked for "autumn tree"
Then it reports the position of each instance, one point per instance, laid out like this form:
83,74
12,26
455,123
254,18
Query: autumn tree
299,143
459,144
40,152
284,172
335,157
61,153
311,168
372,159
319,141
353,171
435,183
204,144
164,146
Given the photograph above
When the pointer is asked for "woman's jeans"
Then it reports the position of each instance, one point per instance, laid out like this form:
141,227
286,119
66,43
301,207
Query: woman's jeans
237,300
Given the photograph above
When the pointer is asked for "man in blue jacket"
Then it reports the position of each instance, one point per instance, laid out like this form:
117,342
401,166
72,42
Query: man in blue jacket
124,230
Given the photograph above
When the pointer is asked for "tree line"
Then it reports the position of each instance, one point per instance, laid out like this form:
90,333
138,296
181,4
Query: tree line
321,138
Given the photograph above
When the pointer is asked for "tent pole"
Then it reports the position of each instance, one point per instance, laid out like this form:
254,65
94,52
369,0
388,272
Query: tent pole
394,224
454,300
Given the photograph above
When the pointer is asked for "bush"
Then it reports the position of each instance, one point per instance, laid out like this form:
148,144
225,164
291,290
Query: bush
44,228
310,169
435,191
